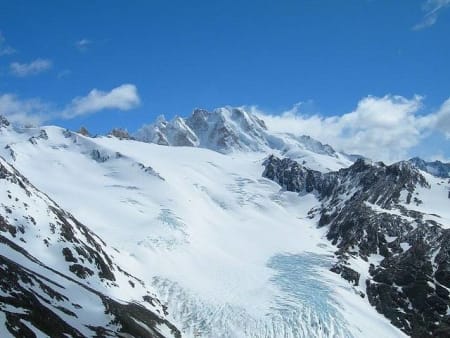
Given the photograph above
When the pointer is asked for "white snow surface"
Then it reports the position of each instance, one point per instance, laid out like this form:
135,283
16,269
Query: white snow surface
433,201
231,129
230,254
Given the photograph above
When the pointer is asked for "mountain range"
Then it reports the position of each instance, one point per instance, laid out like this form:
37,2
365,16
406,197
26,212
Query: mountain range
215,226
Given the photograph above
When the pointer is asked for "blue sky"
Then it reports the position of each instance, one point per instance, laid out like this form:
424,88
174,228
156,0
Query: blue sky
178,55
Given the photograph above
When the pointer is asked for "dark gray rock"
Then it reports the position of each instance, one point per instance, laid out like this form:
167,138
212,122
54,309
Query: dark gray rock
411,285
436,168
38,292
4,121
347,273
121,134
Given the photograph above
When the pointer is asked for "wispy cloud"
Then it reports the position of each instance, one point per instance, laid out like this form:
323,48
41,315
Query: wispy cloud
36,111
64,73
83,44
124,97
382,128
24,111
4,48
432,9
441,119
33,68
439,157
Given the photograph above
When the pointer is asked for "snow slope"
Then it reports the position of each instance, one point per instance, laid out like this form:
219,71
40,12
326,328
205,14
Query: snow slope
390,226
59,278
434,201
231,254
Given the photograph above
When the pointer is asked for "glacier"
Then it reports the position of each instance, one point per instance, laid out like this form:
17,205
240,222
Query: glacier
226,250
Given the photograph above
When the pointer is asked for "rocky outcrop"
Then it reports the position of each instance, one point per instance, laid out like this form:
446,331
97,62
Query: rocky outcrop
411,288
4,121
436,168
83,131
226,130
365,208
58,276
120,133
168,133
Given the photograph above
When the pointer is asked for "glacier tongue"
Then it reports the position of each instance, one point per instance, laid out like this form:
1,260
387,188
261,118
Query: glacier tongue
303,307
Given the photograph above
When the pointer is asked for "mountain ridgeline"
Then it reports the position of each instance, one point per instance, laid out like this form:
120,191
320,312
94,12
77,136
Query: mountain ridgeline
169,207
57,275
225,130
366,210
436,168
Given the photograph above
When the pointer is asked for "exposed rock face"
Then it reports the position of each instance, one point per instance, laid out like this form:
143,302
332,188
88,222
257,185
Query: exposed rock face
120,133
57,275
363,209
225,130
3,121
42,135
291,175
173,133
436,168
83,131
228,128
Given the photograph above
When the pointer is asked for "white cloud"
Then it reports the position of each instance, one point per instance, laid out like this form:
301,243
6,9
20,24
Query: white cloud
432,9
83,44
4,48
441,119
124,97
25,112
26,69
382,128
439,157
36,111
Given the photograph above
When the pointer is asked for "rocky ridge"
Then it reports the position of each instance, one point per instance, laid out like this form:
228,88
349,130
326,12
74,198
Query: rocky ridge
57,274
436,168
365,209
226,130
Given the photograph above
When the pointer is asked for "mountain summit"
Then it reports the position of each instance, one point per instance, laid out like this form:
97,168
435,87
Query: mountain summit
230,129
224,130
214,225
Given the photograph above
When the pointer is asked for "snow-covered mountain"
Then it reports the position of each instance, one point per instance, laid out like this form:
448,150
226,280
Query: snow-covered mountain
59,278
234,240
436,168
229,130
392,244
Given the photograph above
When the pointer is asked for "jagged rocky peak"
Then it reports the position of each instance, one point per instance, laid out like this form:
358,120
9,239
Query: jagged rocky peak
290,174
373,181
436,168
199,120
227,129
369,211
246,120
181,134
83,131
169,133
223,129
4,121
230,129
120,133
